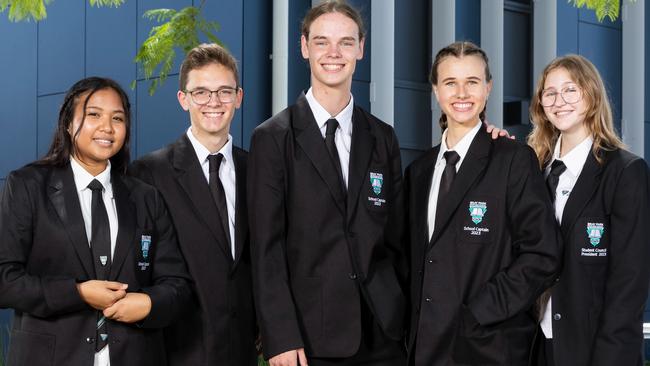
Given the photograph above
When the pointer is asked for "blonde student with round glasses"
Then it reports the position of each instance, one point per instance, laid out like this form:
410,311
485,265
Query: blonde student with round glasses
482,237
593,314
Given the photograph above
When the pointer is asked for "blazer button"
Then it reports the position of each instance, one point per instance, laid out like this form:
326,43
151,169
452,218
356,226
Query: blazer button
90,340
557,279
430,260
557,316
428,299
353,276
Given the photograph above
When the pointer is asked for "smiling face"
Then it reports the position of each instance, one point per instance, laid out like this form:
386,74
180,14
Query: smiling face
462,89
212,119
98,132
566,117
332,49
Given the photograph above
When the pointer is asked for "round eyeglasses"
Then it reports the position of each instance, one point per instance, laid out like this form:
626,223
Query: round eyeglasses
570,95
225,95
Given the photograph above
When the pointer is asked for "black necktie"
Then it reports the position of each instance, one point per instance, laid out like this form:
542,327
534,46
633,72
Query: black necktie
448,175
332,124
100,245
553,178
219,194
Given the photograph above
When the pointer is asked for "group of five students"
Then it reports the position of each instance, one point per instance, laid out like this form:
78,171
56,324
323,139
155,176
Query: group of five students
488,252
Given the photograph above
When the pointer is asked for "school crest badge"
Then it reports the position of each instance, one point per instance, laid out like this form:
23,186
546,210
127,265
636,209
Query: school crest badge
376,181
145,244
595,232
477,210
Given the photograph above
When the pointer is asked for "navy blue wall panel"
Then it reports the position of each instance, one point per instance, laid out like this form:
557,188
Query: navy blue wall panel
161,119
602,45
298,75
256,67
468,21
111,53
18,95
48,112
412,89
567,28
61,53
362,71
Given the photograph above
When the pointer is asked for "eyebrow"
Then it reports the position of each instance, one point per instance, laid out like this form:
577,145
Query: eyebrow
467,78
101,109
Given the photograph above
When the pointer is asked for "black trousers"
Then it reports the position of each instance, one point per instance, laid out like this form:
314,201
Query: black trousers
542,354
376,349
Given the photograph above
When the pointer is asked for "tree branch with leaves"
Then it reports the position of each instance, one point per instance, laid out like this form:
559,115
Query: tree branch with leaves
178,30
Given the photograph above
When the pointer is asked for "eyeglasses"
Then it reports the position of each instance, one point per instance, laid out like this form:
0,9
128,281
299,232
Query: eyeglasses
570,95
225,95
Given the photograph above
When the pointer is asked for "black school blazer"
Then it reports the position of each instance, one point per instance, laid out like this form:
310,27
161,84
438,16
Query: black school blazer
44,253
600,296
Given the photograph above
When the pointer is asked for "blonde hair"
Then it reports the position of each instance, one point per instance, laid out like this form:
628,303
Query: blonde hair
598,113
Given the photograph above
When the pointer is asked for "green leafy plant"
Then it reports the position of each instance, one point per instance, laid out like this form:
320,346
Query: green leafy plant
602,8
36,9
179,30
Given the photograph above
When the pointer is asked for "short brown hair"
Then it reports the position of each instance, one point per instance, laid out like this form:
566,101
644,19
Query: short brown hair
458,50
205,54
332,6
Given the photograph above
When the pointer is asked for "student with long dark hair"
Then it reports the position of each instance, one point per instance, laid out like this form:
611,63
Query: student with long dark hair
88,256
482,237
602,202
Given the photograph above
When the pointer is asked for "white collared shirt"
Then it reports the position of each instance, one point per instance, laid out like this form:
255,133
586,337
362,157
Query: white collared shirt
81,180
461,148
343,134
227,176
574,160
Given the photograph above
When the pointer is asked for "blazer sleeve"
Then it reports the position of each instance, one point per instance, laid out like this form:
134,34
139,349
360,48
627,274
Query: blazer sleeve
36,295
266,201
536,245
170,292
619,333
395,231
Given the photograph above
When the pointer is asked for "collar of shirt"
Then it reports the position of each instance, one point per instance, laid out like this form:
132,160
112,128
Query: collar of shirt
202,152
461,147
574,159
82,178
321,115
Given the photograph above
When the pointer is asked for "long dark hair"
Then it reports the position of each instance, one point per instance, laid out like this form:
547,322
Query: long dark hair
62,146
458,50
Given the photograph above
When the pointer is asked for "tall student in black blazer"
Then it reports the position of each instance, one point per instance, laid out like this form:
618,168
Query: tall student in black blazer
213,235
594,314
482,237
88,256
325,199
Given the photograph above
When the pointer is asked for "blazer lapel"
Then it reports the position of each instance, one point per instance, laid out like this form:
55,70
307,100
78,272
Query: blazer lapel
191,179
63,195
422,188
127,219
241,215
312,143
363,144
583,190
472,167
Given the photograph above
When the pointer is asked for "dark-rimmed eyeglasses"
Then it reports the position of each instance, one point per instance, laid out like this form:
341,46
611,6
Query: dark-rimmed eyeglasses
570,95
201,96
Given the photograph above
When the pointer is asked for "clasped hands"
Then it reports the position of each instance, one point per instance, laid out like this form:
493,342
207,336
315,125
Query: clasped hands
111,298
